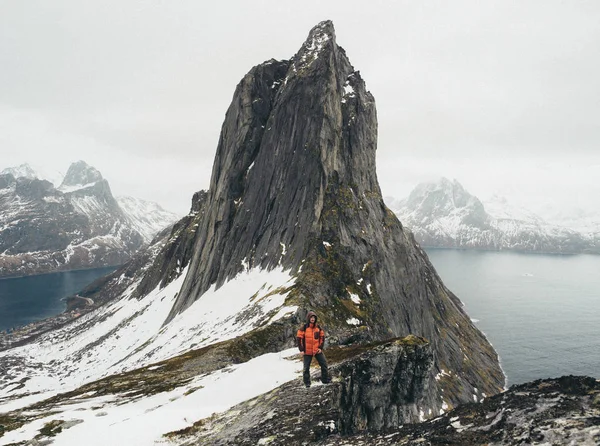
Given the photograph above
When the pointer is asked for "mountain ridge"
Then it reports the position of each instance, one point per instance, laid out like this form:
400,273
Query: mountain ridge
75,226
438,220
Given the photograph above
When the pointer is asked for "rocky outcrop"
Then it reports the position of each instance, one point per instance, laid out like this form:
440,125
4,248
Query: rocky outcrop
385,382
384,387
294,185
75,226
444,215
375,387
544,412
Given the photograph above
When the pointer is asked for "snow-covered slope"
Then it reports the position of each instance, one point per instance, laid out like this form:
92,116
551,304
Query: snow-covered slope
77,225
93,346
443,214
128,334
120,420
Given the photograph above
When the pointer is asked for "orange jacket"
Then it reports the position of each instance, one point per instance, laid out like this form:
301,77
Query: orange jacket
310,337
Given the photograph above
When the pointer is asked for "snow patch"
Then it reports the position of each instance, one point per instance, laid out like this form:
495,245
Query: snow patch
72,188
354,298
442,374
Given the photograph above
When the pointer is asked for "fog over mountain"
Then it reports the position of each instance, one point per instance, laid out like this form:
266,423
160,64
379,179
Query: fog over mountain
443,214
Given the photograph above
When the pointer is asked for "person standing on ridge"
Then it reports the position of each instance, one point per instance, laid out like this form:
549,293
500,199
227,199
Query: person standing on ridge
311,339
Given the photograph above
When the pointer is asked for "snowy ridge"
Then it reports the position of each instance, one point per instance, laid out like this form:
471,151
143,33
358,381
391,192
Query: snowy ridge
147,217
129,333
89,205
443,214
72,188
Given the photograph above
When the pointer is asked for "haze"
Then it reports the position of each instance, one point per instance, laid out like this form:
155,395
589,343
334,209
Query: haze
503,96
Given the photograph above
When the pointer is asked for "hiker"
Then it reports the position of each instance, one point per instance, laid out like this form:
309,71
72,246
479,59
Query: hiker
311,338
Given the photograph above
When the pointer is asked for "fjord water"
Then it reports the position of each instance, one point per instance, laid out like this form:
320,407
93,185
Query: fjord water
540,312
28,299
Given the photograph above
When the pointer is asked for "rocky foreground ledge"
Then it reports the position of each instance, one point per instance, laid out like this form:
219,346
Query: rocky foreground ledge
563,411
377,398
375,387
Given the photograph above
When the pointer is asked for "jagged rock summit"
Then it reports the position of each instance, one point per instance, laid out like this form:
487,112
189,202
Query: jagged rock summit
294,186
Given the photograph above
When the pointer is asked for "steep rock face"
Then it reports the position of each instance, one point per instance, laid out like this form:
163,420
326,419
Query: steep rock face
78,225
177,249
552,411
558,411
444,215
294,185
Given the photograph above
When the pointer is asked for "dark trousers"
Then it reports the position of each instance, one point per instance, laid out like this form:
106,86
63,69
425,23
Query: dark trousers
322,362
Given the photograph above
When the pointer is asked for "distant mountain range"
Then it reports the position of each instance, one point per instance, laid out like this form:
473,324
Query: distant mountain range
444,215
77,225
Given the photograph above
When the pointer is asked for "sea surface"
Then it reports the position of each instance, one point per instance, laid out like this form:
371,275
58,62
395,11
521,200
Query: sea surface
28,299
540,312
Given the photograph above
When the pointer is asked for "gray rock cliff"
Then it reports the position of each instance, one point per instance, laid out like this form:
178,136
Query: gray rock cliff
294,186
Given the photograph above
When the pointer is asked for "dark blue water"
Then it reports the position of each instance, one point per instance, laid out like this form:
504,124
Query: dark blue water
28,299
541,312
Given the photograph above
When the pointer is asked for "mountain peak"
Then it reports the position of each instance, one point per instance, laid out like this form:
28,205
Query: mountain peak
294,187
21,171
291,136
318,37
80,174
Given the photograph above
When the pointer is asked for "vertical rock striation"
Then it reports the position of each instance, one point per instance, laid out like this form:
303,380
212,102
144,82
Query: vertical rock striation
294,185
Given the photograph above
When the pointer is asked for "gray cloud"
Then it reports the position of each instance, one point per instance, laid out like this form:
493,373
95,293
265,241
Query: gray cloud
459,85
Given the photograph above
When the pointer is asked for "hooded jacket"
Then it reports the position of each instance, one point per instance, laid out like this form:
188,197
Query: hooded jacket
310,337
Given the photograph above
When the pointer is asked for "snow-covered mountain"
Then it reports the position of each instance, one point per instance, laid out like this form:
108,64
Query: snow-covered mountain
21,171
206,317
147,217
76,225
443,214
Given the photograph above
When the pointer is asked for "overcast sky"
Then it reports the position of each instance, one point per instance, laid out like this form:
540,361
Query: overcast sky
503,96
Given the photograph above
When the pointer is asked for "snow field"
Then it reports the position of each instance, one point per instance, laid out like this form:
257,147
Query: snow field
129,333
143,422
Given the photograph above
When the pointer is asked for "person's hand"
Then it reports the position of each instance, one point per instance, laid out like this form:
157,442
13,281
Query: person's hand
319,351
